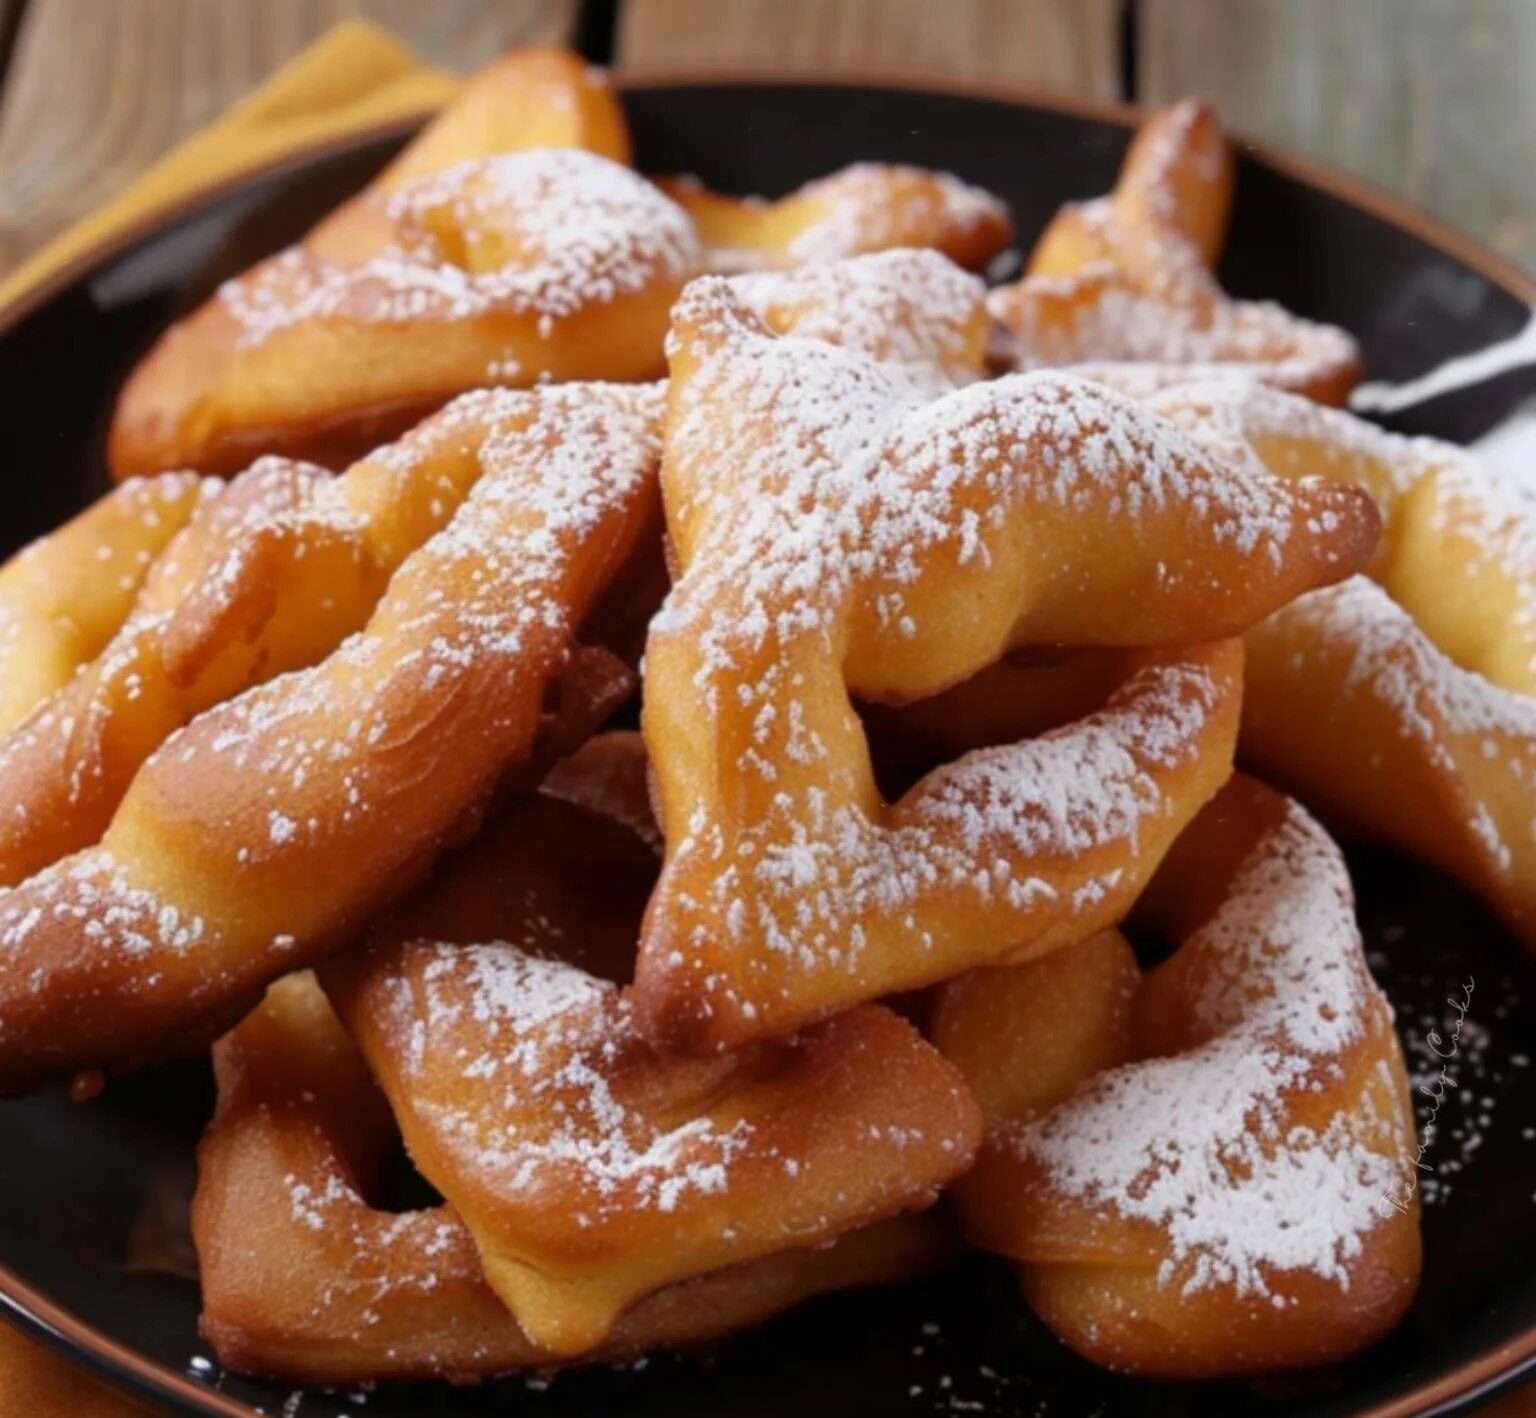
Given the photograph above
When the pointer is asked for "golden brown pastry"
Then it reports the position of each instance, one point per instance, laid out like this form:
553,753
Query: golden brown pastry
528,98
1205,1169
843,525
946,683
263,833
271,575
591,1170
859,209
1351,706
65,595
1122,286
305,1279
1440,509
1174,187
609,776
1403,708
508,245
911,308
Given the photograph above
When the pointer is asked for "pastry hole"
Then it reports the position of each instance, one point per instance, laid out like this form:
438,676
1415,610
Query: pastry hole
1151,947
398,1187
1025,694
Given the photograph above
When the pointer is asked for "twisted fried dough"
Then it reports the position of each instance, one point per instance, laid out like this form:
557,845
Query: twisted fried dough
859,209
260,835
1126,280
1203,1170
1350,705
340,1292
1023,695
271,575
528,98
591,1170
1174,187
608,775
843,525
1440,509
494,252
913,308
63,596
1403,711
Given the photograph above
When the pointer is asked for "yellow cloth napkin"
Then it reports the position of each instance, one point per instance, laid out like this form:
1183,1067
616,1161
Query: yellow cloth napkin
354,77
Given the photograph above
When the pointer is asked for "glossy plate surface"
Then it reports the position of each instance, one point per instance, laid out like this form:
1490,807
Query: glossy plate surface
93,1245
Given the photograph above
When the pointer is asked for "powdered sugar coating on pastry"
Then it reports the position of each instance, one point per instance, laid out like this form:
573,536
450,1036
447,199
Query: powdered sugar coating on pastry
542,233
845,523
211,878
1203,1145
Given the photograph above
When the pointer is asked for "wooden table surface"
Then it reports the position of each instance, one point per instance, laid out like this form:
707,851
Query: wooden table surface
1432,99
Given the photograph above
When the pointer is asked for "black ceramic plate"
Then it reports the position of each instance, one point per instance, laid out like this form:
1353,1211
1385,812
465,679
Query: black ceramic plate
93,1247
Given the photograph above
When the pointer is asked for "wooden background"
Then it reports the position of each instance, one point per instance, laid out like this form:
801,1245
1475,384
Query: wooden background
1434,99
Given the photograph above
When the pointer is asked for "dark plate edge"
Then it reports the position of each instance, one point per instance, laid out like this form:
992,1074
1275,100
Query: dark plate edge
24,1306
1396,211
121,1367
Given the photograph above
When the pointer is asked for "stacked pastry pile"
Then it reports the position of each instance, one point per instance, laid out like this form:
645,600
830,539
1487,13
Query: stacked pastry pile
943,679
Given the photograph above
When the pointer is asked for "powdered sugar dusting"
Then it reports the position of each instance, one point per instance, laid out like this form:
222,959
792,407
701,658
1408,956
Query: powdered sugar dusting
814,494
860,215
1136,293
867,207
1484,736
916,308
1392,656
66,594
1431,494
1175,316
856,474
541,234
1202,1144
486,599
555,463
554,1045
800,882
72,757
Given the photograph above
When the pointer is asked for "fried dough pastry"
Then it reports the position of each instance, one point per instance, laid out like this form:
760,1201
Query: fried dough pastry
271,575
1440,508
859,209
608,775
528,98
1126,279
591,1170
843,525
494,252
63,596
1434,667
1449,767
1024,694
339,1291
1204,1169
266,830
907,307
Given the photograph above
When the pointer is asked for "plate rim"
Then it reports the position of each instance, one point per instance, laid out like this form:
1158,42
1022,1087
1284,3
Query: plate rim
125,1368
1503,271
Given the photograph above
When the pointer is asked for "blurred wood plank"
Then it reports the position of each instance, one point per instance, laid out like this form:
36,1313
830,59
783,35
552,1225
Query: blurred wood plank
1060,46
97,89
35,1380
1434,101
